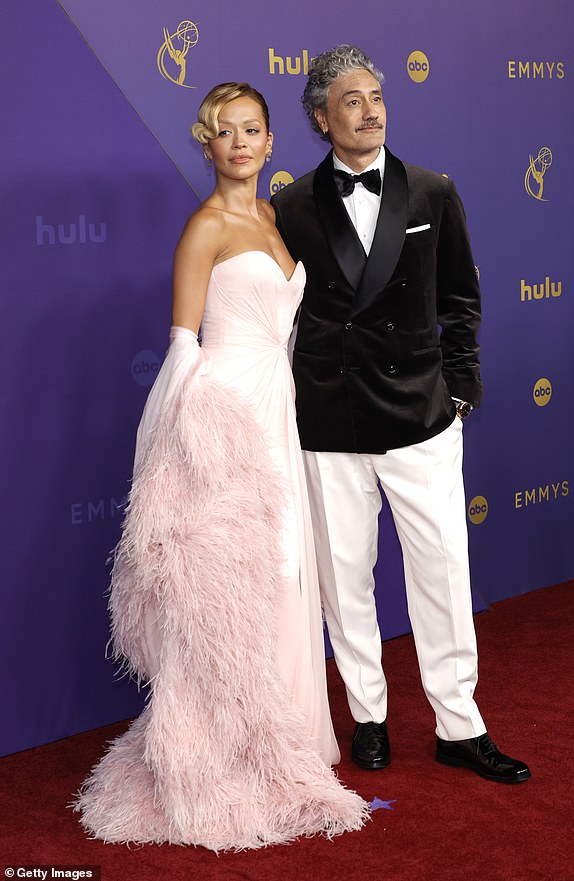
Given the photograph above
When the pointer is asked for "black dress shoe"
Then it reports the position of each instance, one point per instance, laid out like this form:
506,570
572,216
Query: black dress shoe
479,754
371,749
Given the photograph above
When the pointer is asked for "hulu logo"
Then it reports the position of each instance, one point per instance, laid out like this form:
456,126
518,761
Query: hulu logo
79,232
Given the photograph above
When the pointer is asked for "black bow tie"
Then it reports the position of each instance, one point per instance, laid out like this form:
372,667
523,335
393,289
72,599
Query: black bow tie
371,180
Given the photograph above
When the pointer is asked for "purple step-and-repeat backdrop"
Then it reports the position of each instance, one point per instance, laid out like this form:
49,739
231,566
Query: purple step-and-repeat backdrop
98,176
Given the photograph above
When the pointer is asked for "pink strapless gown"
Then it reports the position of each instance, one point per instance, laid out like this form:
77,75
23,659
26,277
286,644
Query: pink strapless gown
232,750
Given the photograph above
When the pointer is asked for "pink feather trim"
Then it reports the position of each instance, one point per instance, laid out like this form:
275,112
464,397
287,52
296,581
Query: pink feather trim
218,758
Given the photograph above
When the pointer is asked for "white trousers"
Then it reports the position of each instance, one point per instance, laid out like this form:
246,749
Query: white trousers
424,487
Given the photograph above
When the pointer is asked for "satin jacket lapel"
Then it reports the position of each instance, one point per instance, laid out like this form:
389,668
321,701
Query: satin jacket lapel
339,230
389,234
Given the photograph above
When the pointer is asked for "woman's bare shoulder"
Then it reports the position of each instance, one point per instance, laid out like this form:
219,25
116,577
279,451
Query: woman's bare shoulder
206,223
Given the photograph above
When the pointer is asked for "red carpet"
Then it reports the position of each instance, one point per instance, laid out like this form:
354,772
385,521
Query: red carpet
440,824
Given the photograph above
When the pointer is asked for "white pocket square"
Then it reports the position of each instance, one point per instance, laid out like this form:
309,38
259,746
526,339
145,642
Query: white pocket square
418,228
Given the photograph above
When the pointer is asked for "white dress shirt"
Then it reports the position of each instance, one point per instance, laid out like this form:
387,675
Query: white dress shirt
363,206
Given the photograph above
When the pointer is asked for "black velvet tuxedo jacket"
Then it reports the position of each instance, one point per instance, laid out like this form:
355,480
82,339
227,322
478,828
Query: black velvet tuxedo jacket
383,343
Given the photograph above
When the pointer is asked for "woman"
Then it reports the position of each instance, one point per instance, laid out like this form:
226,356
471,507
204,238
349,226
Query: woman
214,593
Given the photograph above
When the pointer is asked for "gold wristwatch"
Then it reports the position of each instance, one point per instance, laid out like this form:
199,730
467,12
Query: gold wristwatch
463,408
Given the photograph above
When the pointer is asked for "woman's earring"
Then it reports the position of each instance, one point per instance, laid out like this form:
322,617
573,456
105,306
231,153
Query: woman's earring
207,158
268,156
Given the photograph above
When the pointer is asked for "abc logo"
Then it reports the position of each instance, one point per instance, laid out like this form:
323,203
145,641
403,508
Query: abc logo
542,392
418,66
145,367
478,509
279,180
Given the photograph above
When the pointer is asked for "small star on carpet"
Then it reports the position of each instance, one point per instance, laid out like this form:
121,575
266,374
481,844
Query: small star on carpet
377,804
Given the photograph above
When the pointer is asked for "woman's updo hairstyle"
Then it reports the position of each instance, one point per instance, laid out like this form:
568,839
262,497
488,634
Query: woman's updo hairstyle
206,129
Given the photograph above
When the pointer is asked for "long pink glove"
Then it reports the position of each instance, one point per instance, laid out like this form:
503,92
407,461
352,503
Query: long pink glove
184,361
184,358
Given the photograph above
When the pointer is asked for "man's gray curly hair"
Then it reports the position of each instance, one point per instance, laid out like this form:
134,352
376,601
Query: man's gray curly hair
325,69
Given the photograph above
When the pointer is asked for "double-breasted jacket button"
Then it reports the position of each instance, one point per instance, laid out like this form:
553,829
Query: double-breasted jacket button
349,325
391,369
330,285
389,326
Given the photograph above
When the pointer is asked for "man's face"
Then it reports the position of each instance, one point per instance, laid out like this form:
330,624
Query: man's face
355,118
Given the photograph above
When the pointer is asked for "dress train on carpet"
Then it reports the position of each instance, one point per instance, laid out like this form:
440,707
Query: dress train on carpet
220,756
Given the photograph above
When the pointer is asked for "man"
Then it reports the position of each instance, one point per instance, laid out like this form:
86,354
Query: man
386,368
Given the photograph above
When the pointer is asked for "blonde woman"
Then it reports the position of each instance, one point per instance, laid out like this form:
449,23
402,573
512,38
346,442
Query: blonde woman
214,596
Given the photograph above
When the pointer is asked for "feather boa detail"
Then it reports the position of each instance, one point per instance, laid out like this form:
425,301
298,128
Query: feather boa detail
218,758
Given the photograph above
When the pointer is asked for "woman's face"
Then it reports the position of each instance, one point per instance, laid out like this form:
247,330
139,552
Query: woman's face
240,148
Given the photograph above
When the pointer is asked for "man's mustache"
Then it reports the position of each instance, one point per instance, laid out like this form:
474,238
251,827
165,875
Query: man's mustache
373,124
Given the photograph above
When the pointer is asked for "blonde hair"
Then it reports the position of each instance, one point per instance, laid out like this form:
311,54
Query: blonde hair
206,129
